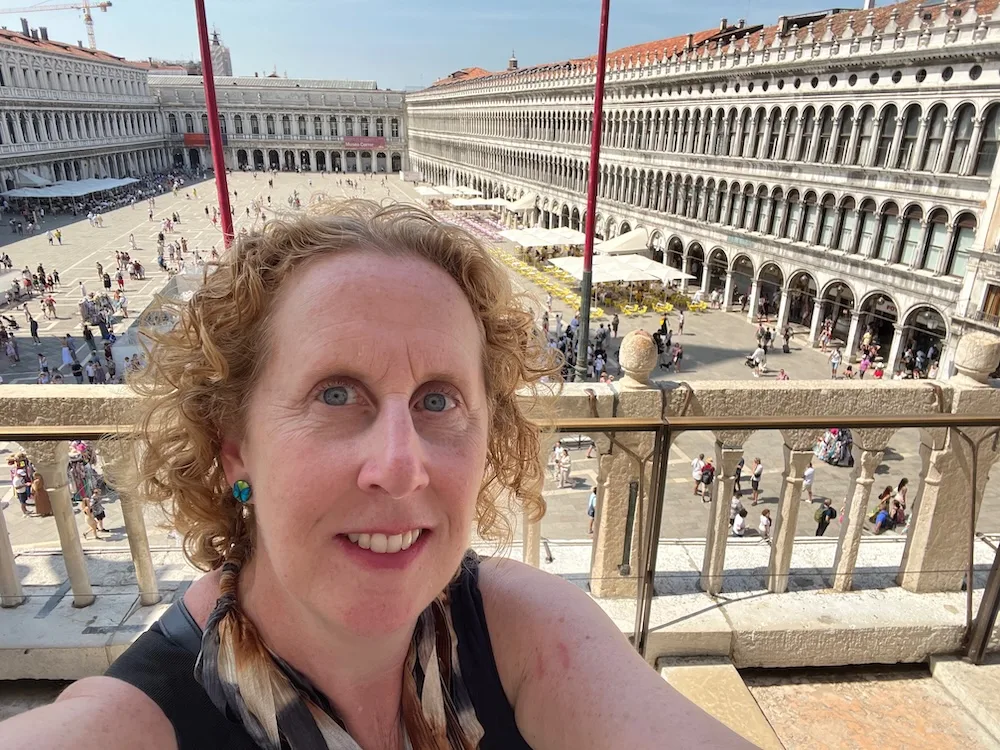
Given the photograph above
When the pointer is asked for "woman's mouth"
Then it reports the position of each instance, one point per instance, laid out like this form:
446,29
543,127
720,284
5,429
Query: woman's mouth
385,544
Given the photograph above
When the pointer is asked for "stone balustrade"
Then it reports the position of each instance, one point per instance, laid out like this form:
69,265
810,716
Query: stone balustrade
935,555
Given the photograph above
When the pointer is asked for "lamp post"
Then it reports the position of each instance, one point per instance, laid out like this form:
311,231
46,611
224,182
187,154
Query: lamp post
583,331
214,132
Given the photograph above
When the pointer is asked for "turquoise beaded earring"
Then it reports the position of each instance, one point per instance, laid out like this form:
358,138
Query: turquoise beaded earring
242,491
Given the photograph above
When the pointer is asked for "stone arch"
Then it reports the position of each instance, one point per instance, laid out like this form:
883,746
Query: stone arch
802,290
880,314
718,269
924,326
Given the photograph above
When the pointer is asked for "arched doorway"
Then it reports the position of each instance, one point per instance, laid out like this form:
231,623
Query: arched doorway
178,158
696,263
320,161
194,155
879,314
366,161
397,163
801,292
258,159
380,162
564,217
574,220
625,228
335,164
289,160
305,163
351,159
769,285
675,254
609,228
718,269
925,330
241,159
743,275
838,304
658,247
273,160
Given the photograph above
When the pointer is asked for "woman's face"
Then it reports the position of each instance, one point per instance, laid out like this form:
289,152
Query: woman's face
366,434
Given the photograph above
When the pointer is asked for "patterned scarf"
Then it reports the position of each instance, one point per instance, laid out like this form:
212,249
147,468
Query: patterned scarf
279,708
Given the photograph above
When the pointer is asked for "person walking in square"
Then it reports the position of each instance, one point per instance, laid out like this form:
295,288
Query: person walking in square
697,466
614,325
807,481
824,516
592,508
756,472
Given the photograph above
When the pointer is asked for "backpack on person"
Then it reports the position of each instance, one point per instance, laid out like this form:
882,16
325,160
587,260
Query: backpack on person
820,515
708,474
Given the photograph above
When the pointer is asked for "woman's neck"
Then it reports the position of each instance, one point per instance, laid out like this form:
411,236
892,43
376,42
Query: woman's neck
360,675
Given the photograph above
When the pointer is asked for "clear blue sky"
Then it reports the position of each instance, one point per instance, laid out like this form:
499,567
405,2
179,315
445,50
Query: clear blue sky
399,43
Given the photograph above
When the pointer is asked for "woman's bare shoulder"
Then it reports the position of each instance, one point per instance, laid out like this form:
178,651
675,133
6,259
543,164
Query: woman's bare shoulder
95,713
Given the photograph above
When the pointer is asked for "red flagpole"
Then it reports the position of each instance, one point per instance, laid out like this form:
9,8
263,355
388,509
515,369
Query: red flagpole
214,131
591,223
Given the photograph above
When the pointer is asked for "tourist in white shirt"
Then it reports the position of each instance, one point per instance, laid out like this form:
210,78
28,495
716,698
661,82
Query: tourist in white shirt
765,525
696,466
807,481
740,523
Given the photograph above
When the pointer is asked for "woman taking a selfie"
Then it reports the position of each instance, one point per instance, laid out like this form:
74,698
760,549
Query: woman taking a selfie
333,413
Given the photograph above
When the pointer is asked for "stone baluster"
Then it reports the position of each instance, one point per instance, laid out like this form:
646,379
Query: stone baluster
798,450
617,469
51,459
936,552
728,452
872,445
11,594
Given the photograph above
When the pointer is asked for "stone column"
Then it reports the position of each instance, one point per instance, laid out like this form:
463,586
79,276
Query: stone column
798,454
853,335
617,470
51,459
752,302
895,350
11,594
727,298
782,319
728,452
968,167
855,509
936,552
706,277
946,142
897,139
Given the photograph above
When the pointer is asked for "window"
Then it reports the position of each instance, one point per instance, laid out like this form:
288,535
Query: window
695,127
866,226
348,126
731,133
774,133
937,237
188,123
364,126
334,127
935,139
865,134
204,123
886,240
746,207
805,138
962,140
911,130
270,125
774,221
827,219
394,127
791,123
238,124
685,130
961,244
843,136
991,140
825,134
172,122
222,124
810,214
844,237
911,235
760,132
286,125
887,132
794,215
746,127
302,126
254,125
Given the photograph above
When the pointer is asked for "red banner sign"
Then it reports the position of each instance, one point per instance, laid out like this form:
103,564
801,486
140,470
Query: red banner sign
201,139
363,141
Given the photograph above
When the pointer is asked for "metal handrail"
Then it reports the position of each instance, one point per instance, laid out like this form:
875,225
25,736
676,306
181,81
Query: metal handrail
978,630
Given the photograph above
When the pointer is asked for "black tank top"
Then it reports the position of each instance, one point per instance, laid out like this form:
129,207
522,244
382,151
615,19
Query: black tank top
161,664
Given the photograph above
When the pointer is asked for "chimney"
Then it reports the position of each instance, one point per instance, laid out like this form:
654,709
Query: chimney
44,33
24,27
79,43
723,24
869,5
741,23
689,44
255,75
782,25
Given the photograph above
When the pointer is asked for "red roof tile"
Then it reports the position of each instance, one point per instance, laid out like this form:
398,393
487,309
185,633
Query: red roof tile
709,40
41,45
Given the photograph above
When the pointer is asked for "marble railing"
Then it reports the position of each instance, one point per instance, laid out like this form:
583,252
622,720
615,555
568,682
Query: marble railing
935,559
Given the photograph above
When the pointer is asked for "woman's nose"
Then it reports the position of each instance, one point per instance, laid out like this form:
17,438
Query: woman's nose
394,463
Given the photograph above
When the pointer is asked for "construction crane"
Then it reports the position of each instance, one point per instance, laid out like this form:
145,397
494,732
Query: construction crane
84,5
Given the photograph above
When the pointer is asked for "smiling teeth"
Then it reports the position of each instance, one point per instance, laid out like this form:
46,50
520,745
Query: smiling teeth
382,544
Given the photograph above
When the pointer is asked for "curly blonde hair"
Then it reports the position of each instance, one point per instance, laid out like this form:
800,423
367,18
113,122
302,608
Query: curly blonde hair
202,370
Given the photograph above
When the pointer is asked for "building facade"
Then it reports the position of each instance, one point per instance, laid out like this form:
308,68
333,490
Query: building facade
69,113
286,123
840,165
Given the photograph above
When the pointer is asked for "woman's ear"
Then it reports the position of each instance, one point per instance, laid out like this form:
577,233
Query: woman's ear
231,455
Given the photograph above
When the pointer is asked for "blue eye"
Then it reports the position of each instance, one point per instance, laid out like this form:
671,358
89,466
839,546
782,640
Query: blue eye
338,395
437,402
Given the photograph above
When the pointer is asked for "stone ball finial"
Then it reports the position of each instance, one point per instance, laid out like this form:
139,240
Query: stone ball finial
637,356
976,357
